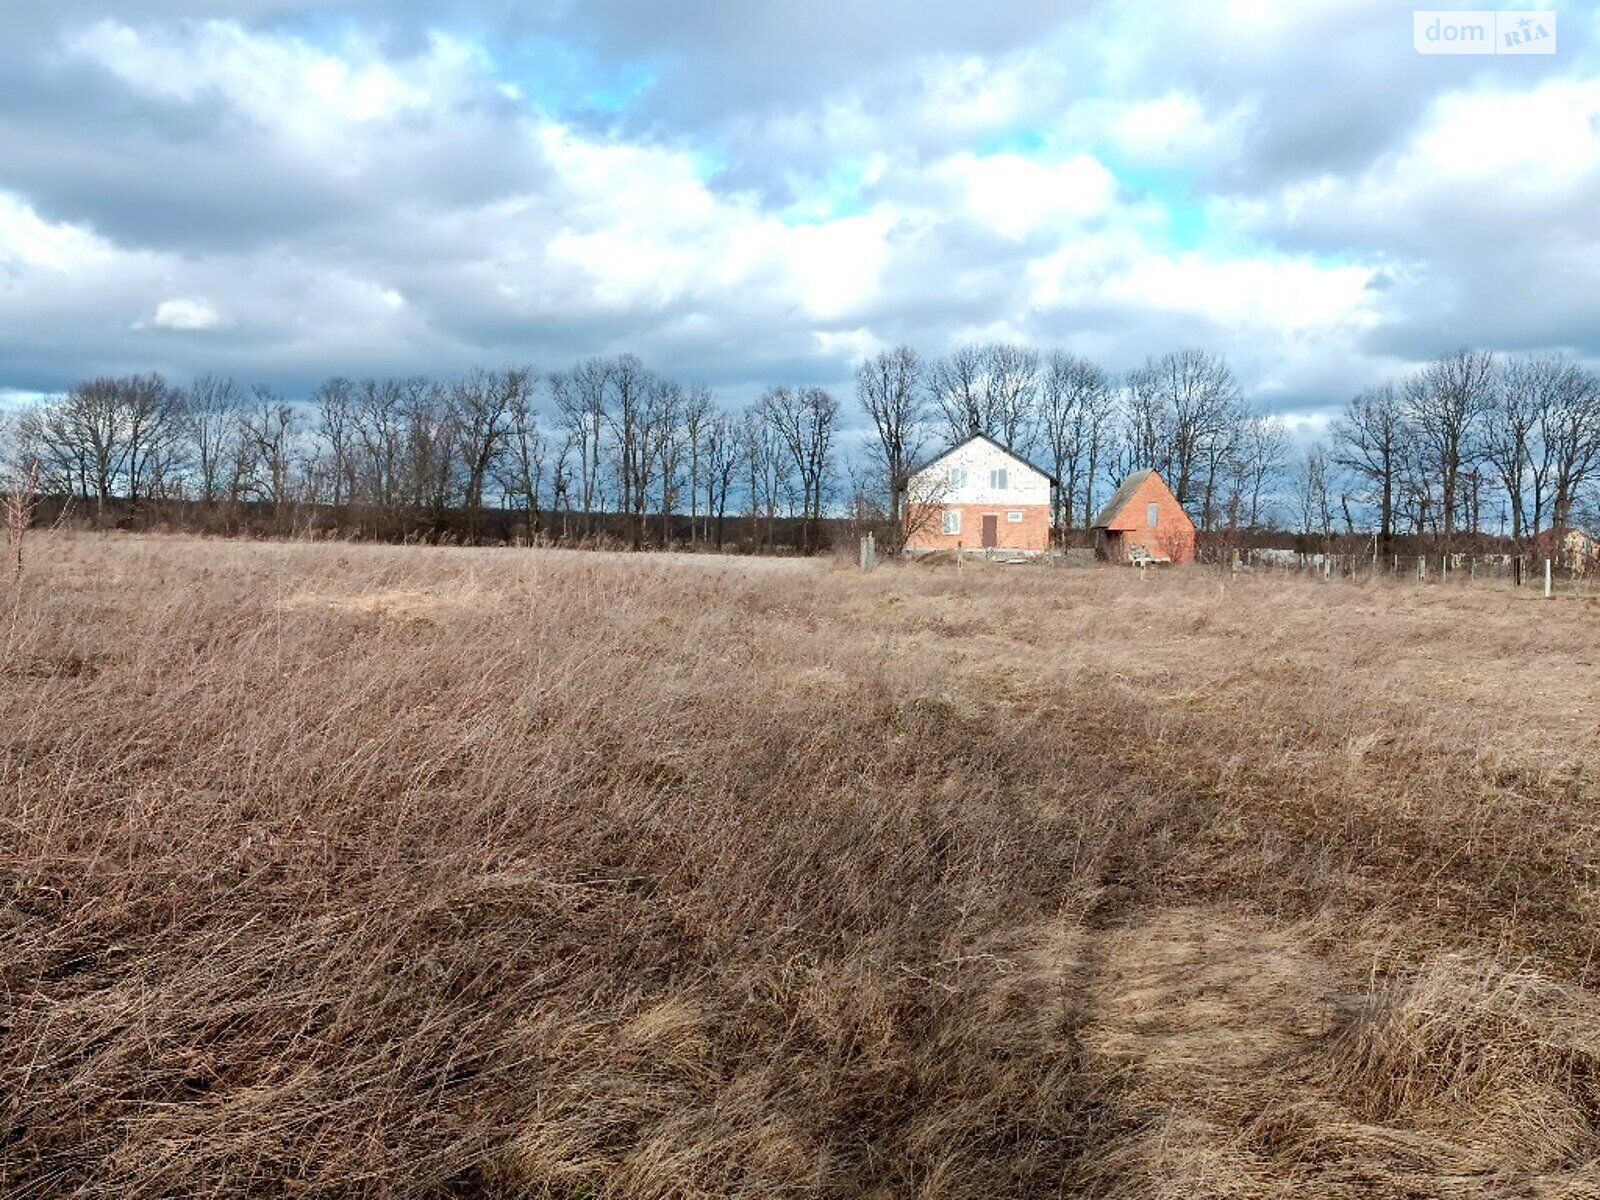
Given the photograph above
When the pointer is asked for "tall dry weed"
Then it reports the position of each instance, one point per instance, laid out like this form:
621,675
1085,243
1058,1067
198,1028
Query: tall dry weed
344,869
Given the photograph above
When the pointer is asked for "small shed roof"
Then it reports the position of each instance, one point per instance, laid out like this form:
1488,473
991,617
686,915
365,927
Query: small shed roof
1120,497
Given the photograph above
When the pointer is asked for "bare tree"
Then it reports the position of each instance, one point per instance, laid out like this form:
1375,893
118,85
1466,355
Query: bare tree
153,412
925,495
92,416
955,388
631,438
267,426
1446,402
1569,439
1010,389
483,405
379,440
580,396
889,387
109,437
668,405
804,419
988,388
1185,413
722,454
1145,438
1076,404
432,446
335,406
50,434
212,409
699,419
561,476
768,468
1316,499
522,470
1259,459
1372,440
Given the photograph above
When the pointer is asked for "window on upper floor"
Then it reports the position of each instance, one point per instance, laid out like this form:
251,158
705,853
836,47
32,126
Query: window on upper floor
956,478
1152,514
997,479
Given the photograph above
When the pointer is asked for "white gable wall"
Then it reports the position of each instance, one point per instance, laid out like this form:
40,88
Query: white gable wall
978,458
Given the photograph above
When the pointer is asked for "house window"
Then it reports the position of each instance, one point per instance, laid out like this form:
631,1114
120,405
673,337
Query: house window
1152,514
1014,517
957,477
997,479
952,522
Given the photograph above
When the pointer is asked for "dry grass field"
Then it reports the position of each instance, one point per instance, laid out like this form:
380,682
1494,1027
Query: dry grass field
346,869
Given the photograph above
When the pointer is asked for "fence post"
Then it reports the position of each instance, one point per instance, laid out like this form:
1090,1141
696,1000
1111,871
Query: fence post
1422,568
869,553
1547,579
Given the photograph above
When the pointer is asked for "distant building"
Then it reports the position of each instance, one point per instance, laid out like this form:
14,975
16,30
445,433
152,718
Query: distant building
1572,549
978,495
1143,519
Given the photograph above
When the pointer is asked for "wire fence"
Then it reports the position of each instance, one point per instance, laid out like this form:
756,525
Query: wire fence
1517,569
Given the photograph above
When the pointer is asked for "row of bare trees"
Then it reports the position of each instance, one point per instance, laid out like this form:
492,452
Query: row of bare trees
575,453
1181,412
1472,443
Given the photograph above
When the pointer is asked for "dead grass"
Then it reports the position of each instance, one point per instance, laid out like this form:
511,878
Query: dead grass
363,870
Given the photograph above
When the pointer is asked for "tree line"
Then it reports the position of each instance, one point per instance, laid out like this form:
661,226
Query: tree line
1182,413
611,449
606,448
1471,444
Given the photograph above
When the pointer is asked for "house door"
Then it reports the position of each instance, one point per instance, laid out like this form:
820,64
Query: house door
991,530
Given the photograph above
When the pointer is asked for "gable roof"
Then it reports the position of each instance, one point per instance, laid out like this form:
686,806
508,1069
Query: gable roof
978,436
1120,498
1125,493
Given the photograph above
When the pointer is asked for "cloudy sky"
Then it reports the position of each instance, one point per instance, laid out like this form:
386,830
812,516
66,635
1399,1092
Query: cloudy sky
748,193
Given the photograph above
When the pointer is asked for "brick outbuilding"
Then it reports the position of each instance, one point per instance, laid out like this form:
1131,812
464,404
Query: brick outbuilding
1143,513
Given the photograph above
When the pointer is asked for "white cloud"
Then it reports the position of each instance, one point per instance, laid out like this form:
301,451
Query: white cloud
186,315
437,215
278,80
27,241
1016,196
1504,154
1248,293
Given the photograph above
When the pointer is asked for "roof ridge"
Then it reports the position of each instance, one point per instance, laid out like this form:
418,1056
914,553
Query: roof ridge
975,435
1124,493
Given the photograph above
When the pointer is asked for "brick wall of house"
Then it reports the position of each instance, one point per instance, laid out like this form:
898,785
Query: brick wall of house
1173,536
1032,533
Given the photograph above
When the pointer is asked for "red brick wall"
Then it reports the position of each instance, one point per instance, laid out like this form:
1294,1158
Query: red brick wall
924,526
1173,536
